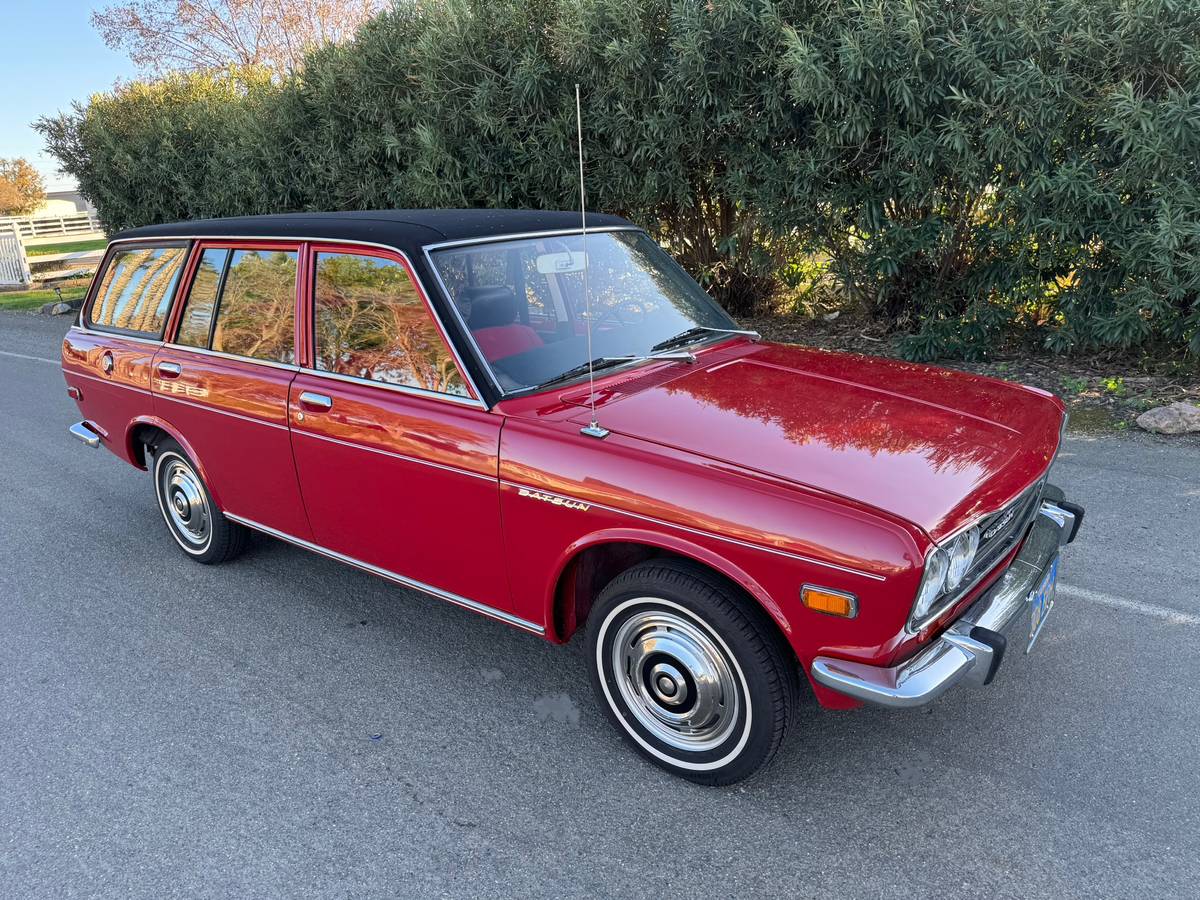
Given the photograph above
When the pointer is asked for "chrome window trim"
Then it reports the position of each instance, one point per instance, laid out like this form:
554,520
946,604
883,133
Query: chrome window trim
220,354
89,297
401,456
708,534
411,390
427,249
347,242
523,235
456,599
99,332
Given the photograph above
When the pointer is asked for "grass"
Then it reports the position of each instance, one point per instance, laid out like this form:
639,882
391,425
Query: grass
34,299
66,247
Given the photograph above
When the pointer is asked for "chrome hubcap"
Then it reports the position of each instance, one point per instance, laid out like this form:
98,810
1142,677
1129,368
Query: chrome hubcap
675,679
185,503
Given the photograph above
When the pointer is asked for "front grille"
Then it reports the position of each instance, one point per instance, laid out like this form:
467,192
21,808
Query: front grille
1008,530
993,547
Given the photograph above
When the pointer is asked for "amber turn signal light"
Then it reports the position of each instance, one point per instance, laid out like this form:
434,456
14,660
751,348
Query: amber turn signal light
828,601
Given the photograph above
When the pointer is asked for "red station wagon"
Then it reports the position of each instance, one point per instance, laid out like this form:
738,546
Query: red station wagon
720,514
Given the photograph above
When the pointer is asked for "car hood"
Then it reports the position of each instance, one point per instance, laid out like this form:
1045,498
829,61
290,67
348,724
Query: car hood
932,446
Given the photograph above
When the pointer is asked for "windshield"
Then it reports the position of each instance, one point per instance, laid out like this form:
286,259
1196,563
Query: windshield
523,302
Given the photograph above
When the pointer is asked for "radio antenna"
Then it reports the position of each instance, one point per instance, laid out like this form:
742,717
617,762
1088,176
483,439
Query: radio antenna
593,429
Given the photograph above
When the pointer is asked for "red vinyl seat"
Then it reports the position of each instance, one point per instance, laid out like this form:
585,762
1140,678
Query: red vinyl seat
506,340
494,325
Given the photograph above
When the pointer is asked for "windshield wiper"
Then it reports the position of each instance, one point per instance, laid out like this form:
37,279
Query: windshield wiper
607,362
685,336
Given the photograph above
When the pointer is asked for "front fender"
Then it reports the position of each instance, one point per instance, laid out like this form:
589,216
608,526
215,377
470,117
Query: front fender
657,539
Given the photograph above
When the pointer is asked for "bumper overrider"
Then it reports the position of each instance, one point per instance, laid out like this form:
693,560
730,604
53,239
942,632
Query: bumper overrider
971,648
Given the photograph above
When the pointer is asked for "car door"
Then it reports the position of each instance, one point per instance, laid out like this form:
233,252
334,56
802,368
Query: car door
222,380
396,455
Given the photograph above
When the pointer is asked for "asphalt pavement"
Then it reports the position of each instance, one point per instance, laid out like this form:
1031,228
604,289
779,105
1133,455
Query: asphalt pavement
287,726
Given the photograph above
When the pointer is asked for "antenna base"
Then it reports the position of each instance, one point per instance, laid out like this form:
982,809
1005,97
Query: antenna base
594,430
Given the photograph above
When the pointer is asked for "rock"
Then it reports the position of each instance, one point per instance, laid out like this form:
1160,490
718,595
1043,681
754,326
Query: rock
1178,418
61,309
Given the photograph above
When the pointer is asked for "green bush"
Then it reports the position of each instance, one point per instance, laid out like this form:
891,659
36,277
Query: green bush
964,168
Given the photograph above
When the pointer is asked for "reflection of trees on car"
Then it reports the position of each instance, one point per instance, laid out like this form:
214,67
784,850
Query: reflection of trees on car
135,288
372,323
256,314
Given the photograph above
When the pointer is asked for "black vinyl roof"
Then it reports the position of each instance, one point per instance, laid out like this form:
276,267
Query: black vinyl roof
407,229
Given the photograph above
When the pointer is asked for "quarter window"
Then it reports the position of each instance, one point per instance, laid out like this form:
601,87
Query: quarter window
136,289
256,307
371,323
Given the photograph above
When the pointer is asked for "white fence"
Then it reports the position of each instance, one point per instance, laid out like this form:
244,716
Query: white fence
14,268
31,228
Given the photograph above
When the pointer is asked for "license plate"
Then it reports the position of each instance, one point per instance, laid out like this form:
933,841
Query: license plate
1041,601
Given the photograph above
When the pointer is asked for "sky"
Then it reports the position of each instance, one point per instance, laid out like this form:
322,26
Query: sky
49,55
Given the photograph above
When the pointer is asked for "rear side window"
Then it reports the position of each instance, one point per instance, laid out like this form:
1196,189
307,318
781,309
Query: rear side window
257,308
196,322
136,289
242,302
371,323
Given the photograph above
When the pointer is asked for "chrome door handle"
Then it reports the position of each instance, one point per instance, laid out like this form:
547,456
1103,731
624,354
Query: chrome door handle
315,401
169,369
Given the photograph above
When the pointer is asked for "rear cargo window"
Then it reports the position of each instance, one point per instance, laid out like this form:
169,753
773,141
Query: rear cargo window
136,289
257,306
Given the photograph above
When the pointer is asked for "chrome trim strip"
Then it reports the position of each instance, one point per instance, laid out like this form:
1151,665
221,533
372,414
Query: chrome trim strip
81,431
296,239
108,381
166,395
233,357
955,656
398,388
524,235
707,534
400,456
473,605
111,335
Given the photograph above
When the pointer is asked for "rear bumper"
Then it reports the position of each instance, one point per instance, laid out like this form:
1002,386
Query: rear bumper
970,649
82,431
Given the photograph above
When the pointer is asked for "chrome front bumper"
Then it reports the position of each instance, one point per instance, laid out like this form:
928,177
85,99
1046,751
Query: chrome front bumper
969,651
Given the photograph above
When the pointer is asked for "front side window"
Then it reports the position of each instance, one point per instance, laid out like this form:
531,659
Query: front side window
524,302
136,289
256,307
370,322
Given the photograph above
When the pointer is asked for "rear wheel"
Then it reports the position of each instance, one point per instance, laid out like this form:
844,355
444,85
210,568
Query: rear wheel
199,528
695,677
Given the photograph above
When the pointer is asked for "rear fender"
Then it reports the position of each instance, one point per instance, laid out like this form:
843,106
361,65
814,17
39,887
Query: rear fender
133,455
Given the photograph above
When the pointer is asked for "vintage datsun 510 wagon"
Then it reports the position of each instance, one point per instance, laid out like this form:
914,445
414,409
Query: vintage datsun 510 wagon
408,392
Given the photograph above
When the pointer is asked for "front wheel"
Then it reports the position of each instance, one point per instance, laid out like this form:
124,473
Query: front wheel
696,678
199,528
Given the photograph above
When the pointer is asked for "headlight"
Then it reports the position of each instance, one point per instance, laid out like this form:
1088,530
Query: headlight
961,551
932,583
